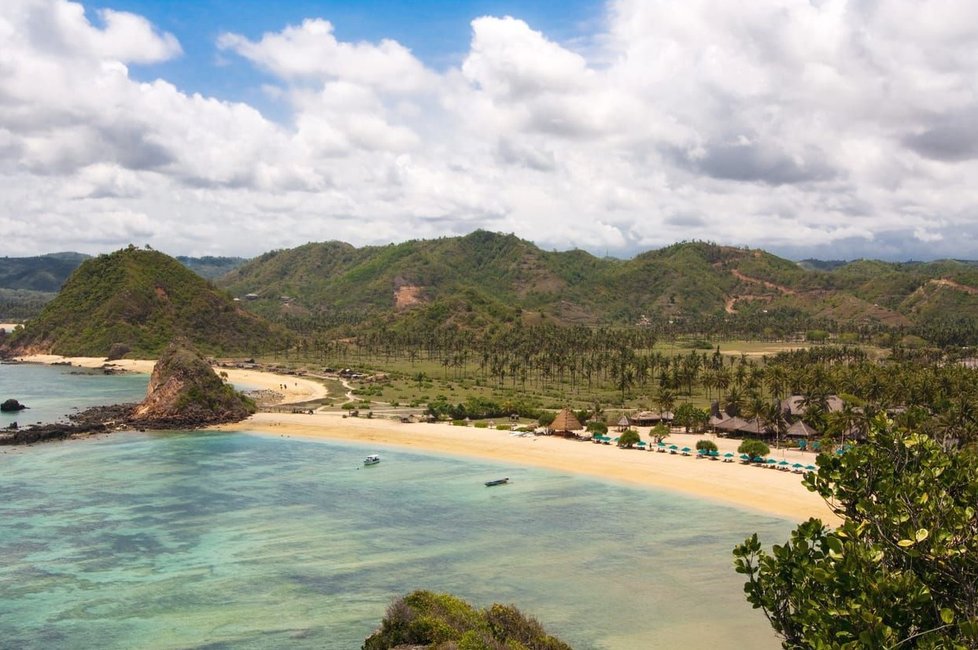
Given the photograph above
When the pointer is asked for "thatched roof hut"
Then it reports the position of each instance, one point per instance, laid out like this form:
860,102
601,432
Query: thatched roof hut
801,430
649,418
623,423
565,422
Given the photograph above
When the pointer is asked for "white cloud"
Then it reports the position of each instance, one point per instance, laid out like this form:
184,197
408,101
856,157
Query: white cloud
832,126
311,51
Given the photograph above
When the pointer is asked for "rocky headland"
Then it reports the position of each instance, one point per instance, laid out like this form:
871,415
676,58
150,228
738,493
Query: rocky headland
184,393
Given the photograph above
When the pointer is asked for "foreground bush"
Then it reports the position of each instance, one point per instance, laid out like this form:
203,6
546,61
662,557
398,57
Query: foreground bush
443,622
901,571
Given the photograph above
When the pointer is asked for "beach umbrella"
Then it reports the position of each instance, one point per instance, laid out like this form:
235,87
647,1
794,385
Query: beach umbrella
745,457
701,452
673,447
770,461
661,444
640,443
811,468
686,449
797,465
784,463
758,459
729,455
715,453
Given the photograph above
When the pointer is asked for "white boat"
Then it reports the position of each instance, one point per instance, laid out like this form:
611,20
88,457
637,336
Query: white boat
372,459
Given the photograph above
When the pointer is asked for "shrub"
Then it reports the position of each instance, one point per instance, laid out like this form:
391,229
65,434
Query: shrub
427,619
546,419
502,427
481,425
659,432
628,438
753,448
708,445
597,427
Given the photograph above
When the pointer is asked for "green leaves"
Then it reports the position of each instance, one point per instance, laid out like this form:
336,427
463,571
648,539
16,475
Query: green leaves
903,565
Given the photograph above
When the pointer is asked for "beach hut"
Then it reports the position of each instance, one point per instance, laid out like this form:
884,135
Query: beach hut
623,423
801,430
566,423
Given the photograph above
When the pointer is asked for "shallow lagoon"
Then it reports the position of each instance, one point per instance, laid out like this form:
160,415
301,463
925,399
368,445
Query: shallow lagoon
231,540
53,392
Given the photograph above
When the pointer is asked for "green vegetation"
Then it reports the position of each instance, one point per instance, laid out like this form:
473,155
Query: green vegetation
184,388
902,569
597,427
693,288
443,621
707,445
142,299
628,438
753,448
21,304
690,417
211,268
45,273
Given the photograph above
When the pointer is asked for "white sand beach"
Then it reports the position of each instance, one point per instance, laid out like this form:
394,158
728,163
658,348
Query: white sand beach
767,490
778,493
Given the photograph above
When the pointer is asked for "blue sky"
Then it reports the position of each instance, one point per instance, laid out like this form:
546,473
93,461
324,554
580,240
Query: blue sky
810,129
436,31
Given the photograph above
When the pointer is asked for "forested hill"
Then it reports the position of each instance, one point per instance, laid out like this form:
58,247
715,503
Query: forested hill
47,273
137,301
484,278
42,273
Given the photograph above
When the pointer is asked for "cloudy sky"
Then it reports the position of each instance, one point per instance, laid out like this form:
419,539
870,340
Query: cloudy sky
807,127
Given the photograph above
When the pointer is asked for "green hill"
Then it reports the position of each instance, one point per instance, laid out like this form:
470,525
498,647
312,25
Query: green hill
484,278
141,299
41,273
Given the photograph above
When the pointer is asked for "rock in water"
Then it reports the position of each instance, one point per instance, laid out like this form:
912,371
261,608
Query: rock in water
185,391
11,405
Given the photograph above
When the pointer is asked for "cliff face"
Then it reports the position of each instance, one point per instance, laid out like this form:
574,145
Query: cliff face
184,390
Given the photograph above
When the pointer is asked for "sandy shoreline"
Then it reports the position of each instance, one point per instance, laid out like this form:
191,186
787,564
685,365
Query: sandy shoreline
766,490
293,389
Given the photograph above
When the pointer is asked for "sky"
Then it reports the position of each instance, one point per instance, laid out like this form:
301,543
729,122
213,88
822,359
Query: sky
811,128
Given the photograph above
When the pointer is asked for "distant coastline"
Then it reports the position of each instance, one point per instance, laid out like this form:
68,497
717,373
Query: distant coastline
770,491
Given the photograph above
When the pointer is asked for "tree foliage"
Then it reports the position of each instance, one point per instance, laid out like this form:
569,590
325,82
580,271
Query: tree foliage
902,569
708,445
690,417
753,448
443,621
629,438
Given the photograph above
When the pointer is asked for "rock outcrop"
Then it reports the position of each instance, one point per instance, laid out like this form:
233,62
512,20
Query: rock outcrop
184,391
11,406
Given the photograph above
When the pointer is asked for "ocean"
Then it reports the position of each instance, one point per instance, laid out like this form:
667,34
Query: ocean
220,540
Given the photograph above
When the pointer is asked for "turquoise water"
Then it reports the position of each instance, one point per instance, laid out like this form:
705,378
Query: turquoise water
53,392
185,540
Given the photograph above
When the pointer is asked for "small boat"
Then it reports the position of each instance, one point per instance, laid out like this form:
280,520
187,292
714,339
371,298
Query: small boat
498,481
372,459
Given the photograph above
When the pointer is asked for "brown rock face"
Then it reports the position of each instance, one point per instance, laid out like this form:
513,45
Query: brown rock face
184,390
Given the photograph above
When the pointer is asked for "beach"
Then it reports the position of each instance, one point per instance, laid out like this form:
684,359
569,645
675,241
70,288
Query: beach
764,490
293,389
